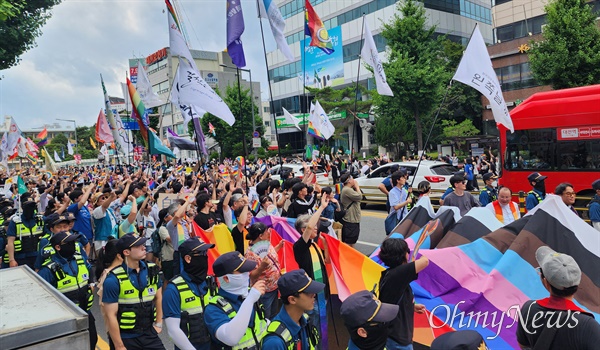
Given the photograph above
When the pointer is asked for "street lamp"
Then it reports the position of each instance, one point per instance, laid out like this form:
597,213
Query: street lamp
251,93
75,124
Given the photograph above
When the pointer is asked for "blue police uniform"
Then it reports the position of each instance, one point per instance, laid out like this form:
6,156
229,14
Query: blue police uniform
28,254
594,209
172,302
487,195
447,192
298,332
45,242
532,200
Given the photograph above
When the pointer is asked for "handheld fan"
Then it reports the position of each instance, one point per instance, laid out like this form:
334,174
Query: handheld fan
261,248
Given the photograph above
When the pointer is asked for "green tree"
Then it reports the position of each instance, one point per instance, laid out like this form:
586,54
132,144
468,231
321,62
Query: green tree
569,54
230,137
10,9
452,131
19,32
417,70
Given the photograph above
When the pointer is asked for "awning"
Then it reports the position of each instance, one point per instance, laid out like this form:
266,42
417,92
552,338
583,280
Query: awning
273,148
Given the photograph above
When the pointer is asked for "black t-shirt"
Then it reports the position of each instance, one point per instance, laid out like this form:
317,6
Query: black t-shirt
581,331
304,259
238,239
206,221
394,288
299,207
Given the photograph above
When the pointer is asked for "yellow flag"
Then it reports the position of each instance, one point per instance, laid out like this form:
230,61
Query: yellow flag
93,143
43,153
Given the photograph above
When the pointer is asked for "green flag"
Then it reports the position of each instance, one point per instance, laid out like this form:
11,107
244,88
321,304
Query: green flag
308,154
156,147
21,185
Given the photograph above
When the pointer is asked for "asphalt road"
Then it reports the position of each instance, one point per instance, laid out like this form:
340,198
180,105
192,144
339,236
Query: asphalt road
371,235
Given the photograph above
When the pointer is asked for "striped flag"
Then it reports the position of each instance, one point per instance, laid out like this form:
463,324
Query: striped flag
140,110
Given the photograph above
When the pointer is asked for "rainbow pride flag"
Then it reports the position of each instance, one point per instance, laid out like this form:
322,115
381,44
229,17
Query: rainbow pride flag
314,27
43,136
235,171
314,132
241,161
338,188
140,113
255,206
220,236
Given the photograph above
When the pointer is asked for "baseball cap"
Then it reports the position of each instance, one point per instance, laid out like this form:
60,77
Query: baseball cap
560,270
55,218
488,176
125,210
345,178
362,307
130,240
459,340
536,177
298,281
193,246
231,262
596,185
62,238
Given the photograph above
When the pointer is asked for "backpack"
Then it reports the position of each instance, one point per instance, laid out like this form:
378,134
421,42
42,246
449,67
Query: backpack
157,243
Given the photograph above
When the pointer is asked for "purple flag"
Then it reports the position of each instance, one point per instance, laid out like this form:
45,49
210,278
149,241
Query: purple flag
235,28
200,135
172,133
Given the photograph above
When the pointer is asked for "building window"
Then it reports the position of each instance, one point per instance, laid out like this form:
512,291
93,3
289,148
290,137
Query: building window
515,77
266,109
520,29
267,124
161,88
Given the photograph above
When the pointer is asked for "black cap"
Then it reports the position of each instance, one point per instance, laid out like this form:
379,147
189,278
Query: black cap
345,178
363,307
298,281
70,216
394,168
130,240
231,262
7,211
488,176
193,246
62,238
460,340
596,185
55,218
537,177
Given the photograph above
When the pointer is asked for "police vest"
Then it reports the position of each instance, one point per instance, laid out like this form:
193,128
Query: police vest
500,214
48,250
537,196
253,336
192,312
75,288
136,311
27,239
490,194
279,329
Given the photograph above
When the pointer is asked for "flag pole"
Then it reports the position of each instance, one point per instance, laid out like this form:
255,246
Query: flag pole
127,113
307,109
242,126
362,33
271,111
430,131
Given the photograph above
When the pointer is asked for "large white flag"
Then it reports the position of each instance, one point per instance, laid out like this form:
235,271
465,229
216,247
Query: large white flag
14,133
122,135
321,121
144,88
70,148
22,147
370,55
177,43
268,9
56,157
4,151
476,70
189,89
289,119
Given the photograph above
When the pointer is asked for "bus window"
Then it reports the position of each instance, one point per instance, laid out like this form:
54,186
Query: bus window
579,154
531,149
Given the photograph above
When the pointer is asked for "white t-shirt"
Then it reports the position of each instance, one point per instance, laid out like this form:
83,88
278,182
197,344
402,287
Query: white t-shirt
507,215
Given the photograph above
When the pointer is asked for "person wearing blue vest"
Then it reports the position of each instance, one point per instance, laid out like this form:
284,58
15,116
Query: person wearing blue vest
132,298
366,319
69,272
233,317
290,330
538,193
186,297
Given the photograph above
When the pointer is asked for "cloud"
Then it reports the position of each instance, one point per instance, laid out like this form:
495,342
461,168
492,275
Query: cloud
60,78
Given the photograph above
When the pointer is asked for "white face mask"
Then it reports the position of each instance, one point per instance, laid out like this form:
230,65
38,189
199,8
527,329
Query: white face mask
494,183
238,284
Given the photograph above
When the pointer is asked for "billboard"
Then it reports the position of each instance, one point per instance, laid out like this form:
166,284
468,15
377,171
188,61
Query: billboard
320,69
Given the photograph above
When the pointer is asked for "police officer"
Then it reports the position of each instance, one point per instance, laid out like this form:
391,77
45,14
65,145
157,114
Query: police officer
68,271
132,298
234,317
55,223
489,193
290,329
366,319
6,213
187,295
23,234
538,193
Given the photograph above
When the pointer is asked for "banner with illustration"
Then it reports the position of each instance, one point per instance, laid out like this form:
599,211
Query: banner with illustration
320,69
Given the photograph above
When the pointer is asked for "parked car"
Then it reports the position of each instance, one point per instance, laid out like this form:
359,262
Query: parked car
298,170
437,173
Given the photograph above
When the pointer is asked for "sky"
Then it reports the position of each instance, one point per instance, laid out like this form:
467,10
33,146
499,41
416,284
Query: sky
60,78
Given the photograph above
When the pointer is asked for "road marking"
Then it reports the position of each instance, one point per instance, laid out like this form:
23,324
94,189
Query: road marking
101,344
368,243
374,214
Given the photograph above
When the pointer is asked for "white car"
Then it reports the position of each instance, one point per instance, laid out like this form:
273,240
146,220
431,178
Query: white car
298,170
437,173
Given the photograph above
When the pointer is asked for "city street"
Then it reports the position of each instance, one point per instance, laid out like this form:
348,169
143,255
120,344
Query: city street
371,235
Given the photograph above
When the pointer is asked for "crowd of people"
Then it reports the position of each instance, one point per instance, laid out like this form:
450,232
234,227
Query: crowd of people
125,235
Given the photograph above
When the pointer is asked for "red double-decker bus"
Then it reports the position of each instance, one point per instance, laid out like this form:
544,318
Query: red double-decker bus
557,133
